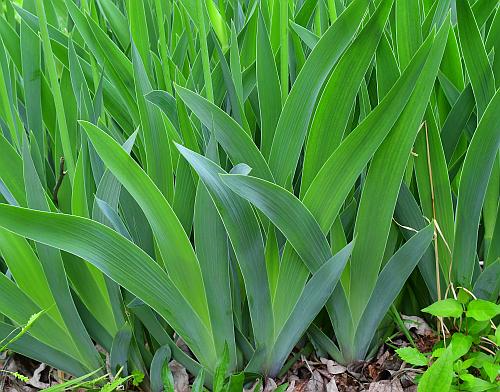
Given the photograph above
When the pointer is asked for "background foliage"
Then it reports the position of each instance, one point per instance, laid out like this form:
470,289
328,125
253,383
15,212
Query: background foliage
243,175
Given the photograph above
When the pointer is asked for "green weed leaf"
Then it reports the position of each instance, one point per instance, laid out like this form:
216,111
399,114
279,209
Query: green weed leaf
439,376
482,310
412,356
445,308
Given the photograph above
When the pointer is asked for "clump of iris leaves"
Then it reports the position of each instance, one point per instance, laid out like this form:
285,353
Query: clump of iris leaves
241,176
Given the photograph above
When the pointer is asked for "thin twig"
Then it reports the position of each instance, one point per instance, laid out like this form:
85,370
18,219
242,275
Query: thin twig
467,291
436,253
2,371
442,237
487,350
60,178
404,227
484,338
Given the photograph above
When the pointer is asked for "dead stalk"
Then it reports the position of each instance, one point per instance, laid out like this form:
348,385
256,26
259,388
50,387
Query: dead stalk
60,178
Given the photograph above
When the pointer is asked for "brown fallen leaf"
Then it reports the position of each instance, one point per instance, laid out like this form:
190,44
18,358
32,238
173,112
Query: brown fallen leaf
181,378
347,383
35,379
182,345
300,386
270,385
332,386
417,325
374,371
23,388
386,386
332,367
316,383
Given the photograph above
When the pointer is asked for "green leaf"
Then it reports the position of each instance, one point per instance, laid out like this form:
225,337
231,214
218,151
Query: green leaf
319,338
476,172
231,136
268,87
445,308
434,189
314,296
307,36
12,174
460,345
328,126
117,20
109,188
244,232
438,352
387,67
338,175
492,370
389,284
167,103
212,244
412,356
167,378
177,253
456,121
119,353
107,52
218,23
161,356
482,310
487,285
475,57
436,15
24,329
408,30
156,142
106,249
198,382
185,195
439,376
33,348
235,64
236,382
25,268
294,120
288,214
79,204
53,268
476,384
396,148
79,83
300,229
31,58
56,91
139,30
47,329
409,214
150,320
221,371
303,233
234,91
